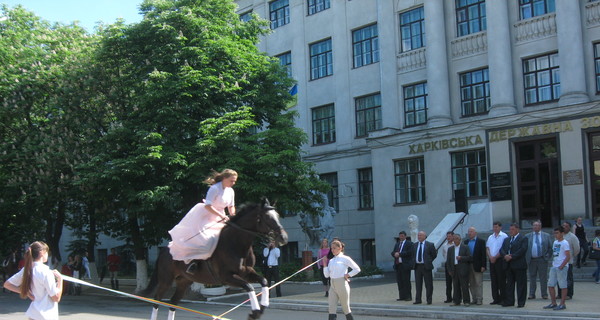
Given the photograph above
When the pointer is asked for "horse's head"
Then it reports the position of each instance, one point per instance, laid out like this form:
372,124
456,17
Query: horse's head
268,223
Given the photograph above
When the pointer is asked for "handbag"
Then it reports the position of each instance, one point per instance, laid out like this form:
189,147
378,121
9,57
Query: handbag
595,254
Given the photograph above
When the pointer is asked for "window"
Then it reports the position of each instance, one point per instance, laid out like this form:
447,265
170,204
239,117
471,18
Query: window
365,188
409,176
469,172
289,252
367,250
323,121
534,8
470,16
368,114
279,13
365,46
541,78
475,92
285,59
321,59
415,104
597,65
412,29
315,6
332,196
246,16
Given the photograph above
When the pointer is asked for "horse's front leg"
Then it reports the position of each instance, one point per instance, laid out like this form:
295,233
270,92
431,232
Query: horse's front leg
264,298
257,309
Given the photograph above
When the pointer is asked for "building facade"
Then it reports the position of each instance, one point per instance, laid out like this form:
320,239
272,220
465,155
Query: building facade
406,101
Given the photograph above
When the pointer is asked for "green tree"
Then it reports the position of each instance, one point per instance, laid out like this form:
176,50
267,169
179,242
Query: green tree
41,133
190,92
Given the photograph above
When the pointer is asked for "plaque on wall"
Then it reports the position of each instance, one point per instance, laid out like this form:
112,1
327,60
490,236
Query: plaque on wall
501,193
572,177
500,179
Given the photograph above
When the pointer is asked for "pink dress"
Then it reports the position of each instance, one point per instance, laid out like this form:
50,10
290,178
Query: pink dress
195,237
323,253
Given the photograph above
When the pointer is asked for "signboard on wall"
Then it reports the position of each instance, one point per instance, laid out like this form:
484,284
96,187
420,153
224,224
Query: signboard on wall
572,177
500,186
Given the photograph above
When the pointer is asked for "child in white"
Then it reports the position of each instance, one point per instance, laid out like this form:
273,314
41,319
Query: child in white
337,270
558,272
38,283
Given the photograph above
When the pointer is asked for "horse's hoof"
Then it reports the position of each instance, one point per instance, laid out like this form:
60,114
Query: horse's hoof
254,315
262,309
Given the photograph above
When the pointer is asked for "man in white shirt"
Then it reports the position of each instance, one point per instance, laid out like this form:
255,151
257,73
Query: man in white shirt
272,254
574,246
559,273
497,273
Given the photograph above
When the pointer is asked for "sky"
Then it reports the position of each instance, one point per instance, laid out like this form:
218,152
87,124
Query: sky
87,12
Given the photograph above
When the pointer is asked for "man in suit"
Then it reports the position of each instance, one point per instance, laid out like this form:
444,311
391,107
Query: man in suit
513,251
539,254
424,254
449,243
402,254
478,265
458,262
497,275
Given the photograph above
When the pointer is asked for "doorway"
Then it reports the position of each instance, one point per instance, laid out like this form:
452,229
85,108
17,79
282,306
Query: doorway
538,182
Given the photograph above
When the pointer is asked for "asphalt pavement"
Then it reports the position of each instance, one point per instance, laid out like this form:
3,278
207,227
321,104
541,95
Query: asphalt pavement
376,297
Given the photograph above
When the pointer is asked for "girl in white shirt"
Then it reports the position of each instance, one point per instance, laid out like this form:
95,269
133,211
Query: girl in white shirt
337,270
37,282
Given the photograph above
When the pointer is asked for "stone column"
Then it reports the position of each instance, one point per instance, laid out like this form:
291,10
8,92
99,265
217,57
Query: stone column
502,93
438,104
570,53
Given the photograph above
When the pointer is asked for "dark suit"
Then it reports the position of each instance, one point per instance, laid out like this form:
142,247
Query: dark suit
479,255
538,266
403,268
424,270
516,269
460,272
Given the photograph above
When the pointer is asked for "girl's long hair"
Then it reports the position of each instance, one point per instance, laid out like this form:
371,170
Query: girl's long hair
219,176
32,254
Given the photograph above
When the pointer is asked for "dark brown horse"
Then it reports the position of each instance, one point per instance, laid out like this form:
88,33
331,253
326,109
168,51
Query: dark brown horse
231,264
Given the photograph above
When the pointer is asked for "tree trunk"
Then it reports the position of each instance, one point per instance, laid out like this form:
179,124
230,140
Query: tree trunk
54,228
141,266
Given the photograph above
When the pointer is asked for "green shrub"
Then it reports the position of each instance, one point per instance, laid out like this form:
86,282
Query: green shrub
369,270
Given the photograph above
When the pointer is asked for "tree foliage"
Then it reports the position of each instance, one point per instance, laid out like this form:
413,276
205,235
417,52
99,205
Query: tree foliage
114,132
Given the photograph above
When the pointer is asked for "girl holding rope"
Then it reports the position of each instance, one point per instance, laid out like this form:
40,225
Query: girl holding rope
37,282
337,270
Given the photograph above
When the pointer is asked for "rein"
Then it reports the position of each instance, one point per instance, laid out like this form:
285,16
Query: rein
254,233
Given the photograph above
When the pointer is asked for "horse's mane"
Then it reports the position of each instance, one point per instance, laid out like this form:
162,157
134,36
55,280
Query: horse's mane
246,208
243,210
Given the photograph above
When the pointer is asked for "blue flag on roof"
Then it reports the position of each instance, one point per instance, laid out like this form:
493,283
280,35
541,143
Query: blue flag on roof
294,90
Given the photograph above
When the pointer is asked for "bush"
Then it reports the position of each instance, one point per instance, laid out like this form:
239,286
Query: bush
369,270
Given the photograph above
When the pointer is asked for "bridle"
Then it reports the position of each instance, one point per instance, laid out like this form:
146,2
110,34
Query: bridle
254,233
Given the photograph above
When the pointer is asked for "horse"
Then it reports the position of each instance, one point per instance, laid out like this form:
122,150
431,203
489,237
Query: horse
9,266
232,262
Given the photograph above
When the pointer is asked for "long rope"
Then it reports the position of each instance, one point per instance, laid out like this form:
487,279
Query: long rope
75,280
271,287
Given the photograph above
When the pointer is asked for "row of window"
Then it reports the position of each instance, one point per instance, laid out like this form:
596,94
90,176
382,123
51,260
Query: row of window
541,84
468,169
470,16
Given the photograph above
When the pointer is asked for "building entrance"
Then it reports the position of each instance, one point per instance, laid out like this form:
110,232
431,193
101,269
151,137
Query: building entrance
538,183
594,152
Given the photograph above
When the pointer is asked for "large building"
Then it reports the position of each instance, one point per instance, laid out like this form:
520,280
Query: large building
406,101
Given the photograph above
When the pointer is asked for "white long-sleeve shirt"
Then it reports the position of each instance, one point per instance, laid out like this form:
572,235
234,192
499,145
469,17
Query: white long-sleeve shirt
338,267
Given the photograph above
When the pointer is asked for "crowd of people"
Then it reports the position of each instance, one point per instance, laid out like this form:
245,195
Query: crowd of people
547,260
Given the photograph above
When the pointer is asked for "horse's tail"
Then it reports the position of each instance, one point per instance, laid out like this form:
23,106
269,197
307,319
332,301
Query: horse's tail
154,279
